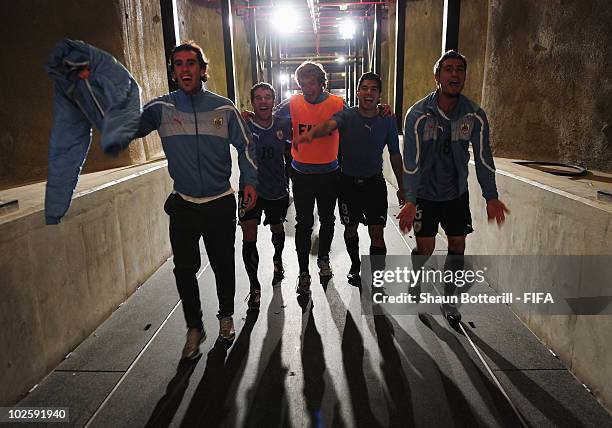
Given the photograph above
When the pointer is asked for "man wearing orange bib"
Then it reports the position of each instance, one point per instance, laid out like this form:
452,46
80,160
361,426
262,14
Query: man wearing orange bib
314,169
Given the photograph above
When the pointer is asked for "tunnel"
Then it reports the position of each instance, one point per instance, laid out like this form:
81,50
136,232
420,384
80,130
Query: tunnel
93,323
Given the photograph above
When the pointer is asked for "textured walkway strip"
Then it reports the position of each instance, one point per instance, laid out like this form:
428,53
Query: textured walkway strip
140,354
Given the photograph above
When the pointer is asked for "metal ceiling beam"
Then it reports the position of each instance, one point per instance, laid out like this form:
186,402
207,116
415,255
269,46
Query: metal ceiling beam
450,30
336,4
400,37
228,48
311,11
377,39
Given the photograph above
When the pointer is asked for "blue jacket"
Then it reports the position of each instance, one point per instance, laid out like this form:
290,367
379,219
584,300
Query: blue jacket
469,124
196,132
109,99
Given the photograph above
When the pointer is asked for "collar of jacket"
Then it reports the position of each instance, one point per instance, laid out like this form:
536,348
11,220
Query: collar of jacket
185,96
463,106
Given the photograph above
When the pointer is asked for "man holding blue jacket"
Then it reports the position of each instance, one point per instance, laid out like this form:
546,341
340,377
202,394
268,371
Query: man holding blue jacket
197,127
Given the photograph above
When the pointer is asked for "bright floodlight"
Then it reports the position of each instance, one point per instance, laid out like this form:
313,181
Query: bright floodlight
284,19
341,59
284,79
347,29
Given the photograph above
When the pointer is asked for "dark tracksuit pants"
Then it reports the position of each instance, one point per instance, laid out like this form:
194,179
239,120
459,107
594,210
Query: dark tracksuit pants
215,222
308,188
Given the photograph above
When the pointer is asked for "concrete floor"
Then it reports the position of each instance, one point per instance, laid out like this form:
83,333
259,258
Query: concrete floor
320,364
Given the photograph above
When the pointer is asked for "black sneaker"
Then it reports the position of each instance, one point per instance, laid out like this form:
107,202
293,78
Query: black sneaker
254,299
303,284
279,273
353,276
451,313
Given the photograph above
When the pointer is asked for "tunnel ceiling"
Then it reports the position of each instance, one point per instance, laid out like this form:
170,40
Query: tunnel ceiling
315,30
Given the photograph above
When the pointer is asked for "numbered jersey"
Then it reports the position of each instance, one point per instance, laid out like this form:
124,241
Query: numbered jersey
271,143
442,184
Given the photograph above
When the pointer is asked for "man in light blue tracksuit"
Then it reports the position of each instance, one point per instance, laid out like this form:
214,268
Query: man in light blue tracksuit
197,127
437,132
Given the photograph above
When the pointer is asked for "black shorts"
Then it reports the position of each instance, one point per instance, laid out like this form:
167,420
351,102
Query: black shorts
275,210
363,200
454,215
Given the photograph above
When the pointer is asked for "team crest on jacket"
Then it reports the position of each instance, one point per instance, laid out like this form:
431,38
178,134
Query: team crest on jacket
279,134
218,122
465,130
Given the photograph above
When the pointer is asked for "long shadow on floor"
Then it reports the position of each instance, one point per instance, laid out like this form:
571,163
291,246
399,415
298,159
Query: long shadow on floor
166,407
399,402
317,382
556,412
353,360
207,406
267,398
504,415
387,329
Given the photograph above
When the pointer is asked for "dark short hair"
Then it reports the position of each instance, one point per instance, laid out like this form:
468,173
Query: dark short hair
261,85
447,55
370,76
310,68
190,46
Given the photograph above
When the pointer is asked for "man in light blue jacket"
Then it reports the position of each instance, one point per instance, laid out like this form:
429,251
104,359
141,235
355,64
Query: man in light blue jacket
437,132
197,127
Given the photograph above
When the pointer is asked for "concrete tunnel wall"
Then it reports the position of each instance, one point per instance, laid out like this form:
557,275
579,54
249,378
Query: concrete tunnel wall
422,48
61,282
129,30
558,226
548,86
472,44
242,63
387,57
201,22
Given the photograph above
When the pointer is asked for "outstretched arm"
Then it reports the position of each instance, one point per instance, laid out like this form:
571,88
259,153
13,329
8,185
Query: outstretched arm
150,119
321,130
